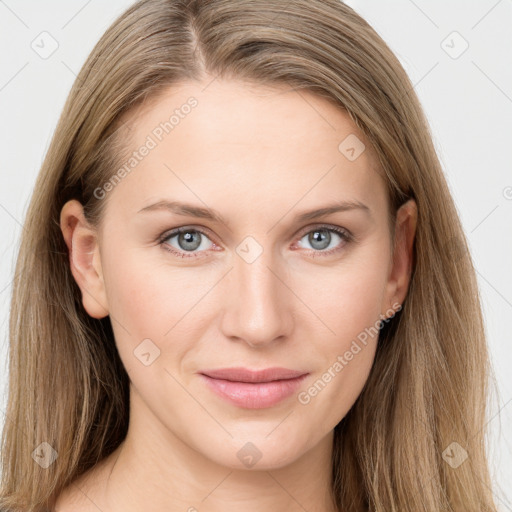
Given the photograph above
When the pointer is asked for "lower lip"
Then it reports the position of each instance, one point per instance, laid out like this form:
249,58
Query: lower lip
254,395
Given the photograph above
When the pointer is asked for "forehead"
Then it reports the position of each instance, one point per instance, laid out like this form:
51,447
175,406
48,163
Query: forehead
234,140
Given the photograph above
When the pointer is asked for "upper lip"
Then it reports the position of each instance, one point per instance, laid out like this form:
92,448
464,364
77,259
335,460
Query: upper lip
247,375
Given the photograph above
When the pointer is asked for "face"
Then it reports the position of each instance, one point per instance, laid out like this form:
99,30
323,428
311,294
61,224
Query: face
209,257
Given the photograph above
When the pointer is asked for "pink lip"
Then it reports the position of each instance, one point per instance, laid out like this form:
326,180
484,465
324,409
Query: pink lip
253,389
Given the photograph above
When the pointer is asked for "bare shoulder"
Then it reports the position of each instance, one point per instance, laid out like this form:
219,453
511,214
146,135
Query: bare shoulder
84,494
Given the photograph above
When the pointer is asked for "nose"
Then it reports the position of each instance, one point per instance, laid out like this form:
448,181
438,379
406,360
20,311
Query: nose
258,302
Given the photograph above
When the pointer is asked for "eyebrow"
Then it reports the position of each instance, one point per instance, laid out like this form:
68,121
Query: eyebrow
191,210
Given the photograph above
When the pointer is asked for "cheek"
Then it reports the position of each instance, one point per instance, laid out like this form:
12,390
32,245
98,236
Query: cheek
148,307
347,300
150,300
136,299
349,303
148,296
346,357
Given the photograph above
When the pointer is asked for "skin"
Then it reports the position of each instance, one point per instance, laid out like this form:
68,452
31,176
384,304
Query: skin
293,306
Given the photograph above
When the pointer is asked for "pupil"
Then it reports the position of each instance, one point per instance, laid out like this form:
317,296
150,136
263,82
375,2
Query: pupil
190,240
321,237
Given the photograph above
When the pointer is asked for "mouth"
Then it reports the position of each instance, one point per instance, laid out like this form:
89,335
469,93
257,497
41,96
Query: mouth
253,389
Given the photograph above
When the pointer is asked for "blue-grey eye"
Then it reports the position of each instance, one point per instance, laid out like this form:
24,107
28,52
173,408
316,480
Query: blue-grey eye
188,240
321,238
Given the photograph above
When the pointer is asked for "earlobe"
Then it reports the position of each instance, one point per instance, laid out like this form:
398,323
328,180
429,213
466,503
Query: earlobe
84,258
403,255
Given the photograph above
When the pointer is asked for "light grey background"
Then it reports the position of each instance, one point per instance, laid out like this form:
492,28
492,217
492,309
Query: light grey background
466,93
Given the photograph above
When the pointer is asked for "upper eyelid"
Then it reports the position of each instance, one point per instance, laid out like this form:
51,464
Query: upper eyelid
328,227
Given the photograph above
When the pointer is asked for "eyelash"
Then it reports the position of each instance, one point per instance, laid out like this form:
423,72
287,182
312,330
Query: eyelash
344,234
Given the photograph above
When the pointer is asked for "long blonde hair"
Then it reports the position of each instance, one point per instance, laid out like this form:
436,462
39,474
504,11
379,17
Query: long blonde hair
425,399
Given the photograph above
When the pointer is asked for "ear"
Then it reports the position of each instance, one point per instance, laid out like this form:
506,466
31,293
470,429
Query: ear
402,260
84,258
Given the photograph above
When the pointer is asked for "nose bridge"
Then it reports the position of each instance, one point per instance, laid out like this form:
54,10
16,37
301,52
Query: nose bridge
258,310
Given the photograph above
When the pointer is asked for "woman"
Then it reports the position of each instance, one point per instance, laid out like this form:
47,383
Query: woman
242,281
